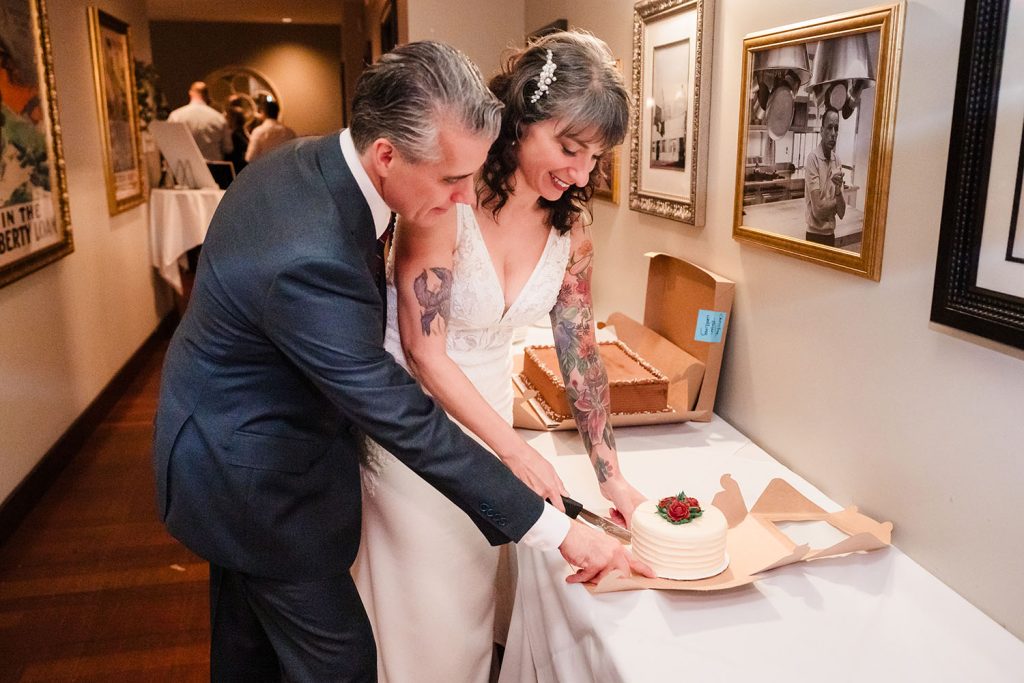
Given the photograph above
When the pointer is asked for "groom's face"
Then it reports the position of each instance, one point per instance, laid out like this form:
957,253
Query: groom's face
425,191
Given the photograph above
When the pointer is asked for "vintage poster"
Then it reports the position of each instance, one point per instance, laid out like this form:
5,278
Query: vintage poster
34,219
118,110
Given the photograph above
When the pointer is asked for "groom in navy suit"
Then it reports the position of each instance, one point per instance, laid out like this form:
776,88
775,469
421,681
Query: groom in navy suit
277,370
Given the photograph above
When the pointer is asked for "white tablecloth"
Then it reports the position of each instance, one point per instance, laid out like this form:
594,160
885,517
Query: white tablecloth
178,221
871,617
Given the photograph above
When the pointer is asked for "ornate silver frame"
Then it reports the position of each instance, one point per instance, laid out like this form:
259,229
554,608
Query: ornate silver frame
683,208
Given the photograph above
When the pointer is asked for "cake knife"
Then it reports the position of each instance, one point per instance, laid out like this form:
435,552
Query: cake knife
575,509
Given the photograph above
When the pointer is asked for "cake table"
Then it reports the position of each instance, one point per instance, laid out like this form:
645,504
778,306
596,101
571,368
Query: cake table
873,617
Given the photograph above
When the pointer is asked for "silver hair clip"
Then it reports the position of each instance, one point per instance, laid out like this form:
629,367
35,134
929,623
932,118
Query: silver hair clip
545,78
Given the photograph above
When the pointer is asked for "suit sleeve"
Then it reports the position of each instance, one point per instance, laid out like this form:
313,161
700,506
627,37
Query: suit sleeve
326,317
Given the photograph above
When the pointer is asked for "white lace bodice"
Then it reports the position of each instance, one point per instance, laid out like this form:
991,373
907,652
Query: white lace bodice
480,330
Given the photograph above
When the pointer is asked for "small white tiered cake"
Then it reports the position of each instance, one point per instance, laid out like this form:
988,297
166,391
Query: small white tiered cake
694,549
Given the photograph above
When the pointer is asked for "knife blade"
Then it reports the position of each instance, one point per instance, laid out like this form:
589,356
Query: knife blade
575,509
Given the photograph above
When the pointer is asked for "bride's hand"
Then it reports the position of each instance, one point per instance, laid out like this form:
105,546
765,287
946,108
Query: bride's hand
624,497
533,470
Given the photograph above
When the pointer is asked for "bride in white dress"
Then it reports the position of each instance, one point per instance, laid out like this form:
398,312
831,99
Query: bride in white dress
455,293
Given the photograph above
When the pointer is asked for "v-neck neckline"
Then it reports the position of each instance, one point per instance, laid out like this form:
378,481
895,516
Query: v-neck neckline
506,305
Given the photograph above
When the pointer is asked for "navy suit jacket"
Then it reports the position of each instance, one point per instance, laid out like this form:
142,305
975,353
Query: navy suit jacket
278,368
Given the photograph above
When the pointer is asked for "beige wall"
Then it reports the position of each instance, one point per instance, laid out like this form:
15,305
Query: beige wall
301,62
353,43
68,328
480,29
842,379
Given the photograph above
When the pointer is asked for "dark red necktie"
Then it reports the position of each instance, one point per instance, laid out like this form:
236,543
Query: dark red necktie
382,243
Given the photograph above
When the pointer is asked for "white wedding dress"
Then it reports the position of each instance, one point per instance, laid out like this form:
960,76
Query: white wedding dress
425,573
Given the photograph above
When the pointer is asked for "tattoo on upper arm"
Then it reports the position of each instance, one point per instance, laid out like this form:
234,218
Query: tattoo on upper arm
434,295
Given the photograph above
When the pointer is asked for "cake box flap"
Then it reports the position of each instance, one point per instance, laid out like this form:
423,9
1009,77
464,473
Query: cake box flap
681,298
756,545
780,502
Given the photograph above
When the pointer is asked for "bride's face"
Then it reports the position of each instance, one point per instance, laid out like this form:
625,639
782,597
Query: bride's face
551,162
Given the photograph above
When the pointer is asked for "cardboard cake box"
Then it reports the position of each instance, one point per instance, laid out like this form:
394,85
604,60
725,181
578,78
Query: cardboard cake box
755,544
686,317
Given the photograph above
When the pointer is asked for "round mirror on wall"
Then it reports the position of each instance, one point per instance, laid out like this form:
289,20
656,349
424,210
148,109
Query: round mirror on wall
242,87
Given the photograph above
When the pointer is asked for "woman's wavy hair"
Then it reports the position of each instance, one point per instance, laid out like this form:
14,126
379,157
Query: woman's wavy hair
587,95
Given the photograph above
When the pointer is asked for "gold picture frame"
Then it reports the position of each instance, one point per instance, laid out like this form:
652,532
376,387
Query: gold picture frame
672,49
607,185
608,169
35,221
802,84
117,107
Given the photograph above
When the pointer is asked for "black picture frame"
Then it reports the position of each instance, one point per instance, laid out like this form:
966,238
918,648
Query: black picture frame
957,300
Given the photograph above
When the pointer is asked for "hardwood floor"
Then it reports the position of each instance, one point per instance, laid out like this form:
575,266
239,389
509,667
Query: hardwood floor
92,588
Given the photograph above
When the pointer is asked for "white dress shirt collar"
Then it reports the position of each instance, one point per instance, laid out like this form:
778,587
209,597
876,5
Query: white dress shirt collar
378,209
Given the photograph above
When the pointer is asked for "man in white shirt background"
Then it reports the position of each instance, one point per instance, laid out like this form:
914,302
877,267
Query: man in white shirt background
270,133
207,125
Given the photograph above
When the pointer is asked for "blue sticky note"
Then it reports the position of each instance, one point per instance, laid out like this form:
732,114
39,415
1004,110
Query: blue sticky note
709,326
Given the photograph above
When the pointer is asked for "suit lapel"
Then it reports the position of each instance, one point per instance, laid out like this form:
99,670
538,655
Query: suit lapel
356,215
346,194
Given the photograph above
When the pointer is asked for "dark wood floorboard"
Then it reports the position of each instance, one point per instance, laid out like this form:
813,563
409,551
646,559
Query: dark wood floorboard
92,588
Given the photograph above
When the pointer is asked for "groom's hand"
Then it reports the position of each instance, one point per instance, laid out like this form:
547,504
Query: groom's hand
596,555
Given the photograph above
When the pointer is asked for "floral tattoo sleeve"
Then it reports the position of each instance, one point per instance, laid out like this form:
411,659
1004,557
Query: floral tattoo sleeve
434,295
586,382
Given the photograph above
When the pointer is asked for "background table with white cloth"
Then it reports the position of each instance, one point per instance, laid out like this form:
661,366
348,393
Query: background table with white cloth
877,616
178,221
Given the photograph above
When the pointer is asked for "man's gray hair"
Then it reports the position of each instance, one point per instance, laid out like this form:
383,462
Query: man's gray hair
406,96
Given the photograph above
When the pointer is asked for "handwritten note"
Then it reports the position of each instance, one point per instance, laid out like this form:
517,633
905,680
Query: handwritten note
710,325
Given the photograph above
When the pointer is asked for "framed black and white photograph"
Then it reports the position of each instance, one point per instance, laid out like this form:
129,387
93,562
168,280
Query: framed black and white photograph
818,103
979,276
35,221
669,106
117,105
672,48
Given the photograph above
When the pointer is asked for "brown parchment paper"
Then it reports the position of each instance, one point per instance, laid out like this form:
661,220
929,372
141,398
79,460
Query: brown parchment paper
756,545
